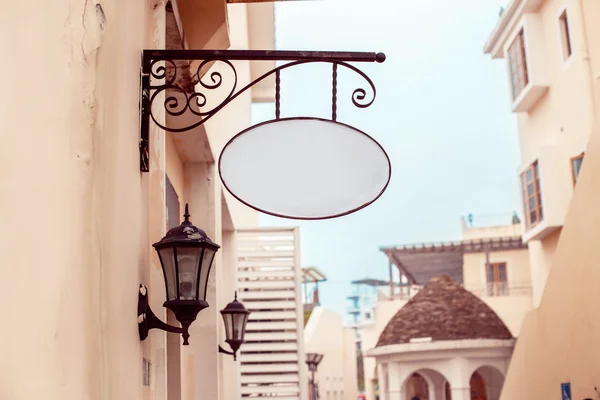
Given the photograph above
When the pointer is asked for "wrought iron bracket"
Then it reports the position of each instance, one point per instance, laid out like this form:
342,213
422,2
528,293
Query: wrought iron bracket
178,80
148,320
231,353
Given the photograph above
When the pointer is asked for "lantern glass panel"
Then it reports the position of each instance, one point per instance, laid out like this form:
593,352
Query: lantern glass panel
188,261
228,320
168,263
239,326
209,254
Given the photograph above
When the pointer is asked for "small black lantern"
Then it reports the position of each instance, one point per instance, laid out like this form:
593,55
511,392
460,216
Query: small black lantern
313,360
235,317
186,255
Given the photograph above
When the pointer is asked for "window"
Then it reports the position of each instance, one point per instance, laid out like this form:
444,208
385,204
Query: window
368,315
565,37
497,279
532,196
519,77
576,166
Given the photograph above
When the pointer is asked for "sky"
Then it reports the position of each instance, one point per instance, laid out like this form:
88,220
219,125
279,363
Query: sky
442,113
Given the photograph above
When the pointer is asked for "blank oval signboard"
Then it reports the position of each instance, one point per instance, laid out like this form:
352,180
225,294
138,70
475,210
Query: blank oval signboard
304,168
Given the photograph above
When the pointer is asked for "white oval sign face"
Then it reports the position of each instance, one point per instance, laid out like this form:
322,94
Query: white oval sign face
304,168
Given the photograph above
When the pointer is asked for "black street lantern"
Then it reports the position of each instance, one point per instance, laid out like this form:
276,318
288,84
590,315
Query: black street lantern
313,360
186,255
235,317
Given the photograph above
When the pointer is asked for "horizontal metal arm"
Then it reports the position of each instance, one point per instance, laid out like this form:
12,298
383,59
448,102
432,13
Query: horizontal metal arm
263,55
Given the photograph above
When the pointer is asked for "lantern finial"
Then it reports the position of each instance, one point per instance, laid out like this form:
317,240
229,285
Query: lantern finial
235,295
187,213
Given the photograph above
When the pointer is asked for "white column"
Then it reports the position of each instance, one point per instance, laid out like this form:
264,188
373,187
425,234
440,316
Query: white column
460,378
382,379
394,381
461,393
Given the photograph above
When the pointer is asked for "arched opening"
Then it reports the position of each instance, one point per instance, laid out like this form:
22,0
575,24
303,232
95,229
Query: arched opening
478,389
425,384
417,387
486,383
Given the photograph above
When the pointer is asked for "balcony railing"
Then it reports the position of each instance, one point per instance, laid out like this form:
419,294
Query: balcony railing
489,220
491,289
400,292
496,289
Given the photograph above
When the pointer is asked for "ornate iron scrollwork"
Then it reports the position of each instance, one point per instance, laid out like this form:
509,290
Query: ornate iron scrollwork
168,72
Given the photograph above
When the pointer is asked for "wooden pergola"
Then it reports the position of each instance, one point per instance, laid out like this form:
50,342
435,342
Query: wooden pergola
421,262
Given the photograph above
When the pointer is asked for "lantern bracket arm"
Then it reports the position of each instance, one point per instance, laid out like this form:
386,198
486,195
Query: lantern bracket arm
153,322
222,350
180,87
148,320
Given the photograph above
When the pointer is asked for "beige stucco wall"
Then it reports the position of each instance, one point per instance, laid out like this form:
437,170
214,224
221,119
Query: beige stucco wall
558,126
512,308
541,254
558,338
325,334
494,231
563,117
69,167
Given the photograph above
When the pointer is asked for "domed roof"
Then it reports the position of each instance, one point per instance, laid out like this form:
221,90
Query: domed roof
443,310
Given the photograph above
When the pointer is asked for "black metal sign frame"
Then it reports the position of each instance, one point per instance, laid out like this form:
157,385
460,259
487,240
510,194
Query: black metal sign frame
159,75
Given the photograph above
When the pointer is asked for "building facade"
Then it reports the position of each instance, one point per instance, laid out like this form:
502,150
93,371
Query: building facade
336,375
361,302
70,165
545,45
552,50
490,263
445,344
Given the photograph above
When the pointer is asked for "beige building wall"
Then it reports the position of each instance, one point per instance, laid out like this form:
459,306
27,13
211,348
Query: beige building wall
513,307
556,341
336,375
554,113
492,231
517,270
69,164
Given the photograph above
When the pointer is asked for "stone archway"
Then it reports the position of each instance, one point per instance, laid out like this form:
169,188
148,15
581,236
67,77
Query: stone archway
424,384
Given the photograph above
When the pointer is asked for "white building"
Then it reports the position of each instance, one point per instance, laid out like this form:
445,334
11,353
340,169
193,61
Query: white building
490,266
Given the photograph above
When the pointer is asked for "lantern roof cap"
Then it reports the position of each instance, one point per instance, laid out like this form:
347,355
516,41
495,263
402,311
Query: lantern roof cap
314,358
235,307
185,234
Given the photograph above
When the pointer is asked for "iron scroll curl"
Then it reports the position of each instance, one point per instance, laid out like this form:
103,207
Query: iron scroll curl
195,101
